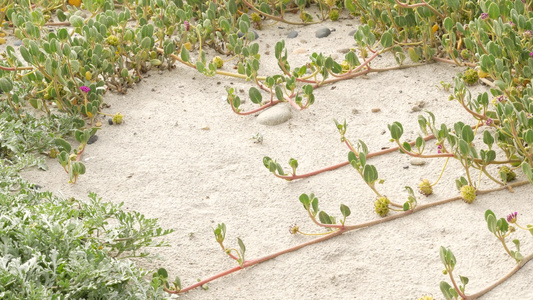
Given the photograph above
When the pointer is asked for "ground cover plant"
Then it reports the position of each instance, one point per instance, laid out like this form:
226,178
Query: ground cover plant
65,73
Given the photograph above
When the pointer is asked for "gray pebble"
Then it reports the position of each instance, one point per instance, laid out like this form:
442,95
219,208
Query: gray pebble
110,121
417,161
240,34
343,50
323,32
275,115
292,34
418,106
92,139
17,43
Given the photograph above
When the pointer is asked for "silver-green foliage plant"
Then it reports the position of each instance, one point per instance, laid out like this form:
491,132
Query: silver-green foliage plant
65,248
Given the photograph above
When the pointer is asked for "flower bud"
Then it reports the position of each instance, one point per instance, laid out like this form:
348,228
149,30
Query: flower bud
118,118
381,206
468,193
425,187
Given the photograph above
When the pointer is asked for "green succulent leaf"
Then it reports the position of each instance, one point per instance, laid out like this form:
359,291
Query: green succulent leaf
63,145
396,130
255,95
345,210
445,289
491,222
305,200
370,174
242,246
162,273
324,218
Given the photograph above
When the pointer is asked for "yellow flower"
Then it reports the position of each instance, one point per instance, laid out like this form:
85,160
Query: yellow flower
76,3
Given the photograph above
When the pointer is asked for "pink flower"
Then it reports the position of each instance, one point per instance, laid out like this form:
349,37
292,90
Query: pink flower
439,147
512,217
85,89
187,25
489,121
484,16
531,54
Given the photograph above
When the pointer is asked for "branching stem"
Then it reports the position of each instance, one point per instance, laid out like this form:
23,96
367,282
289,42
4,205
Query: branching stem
343,229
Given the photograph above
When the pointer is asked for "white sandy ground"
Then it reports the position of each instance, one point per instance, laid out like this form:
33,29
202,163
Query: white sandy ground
160,162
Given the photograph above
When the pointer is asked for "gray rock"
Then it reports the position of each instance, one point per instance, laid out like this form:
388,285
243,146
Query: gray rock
240,34
275,115
418,106
417,161
323,32
415,108
292,34
17,43
92,139
343,50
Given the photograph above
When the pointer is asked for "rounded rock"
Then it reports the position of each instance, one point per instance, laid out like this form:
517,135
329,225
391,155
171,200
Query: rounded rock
240,34
292,34
322,32
92,139
274,116
417,161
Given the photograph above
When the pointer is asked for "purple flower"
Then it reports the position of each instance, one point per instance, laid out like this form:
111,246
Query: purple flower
187,25
531,54
501,98
512,24
85,89
489,121
439,147
484,16
512,217
528,33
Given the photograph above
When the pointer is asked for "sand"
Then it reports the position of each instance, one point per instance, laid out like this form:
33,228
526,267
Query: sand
184,157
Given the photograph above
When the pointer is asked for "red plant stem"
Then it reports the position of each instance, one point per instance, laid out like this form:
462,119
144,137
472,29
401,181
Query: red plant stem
473,113
289,98
461,294
342,230
78,156
378,153
271,103
351,74
372,154
449,61
502,279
